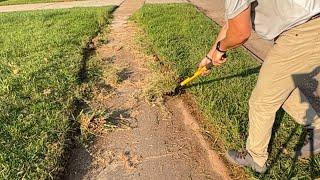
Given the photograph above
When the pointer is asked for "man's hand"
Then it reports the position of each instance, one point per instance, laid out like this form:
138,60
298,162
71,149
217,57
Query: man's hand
203,63
235,32
217,60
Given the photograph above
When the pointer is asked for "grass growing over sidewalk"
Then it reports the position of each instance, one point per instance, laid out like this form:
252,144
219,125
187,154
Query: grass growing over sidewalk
40,58
181,36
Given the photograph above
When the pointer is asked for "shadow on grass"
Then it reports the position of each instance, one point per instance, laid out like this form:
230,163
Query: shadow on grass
244,73
87,52
306,134
79,105
308,85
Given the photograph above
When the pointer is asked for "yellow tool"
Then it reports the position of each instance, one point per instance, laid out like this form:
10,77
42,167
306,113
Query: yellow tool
196,74
178,89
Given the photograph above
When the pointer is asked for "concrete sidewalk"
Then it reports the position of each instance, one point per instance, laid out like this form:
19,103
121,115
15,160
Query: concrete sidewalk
164,1
214,9
72,4
59,5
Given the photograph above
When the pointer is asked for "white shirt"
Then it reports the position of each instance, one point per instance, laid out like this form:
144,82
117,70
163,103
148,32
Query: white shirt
271,17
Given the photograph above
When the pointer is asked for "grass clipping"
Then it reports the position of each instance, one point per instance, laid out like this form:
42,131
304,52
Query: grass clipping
159,82
162,78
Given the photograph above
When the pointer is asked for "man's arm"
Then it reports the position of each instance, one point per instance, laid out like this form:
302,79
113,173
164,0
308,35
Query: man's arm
234,33
239,30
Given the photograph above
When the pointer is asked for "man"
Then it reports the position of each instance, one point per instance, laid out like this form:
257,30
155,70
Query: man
296,27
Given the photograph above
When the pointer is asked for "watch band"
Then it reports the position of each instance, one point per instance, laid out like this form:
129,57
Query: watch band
209,58
218,48
224,56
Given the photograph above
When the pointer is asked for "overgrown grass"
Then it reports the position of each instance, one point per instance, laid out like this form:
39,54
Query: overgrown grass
181,36
13,2
40,59
161,80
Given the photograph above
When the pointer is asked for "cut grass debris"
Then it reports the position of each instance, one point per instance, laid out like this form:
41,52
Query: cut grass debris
181,36
103,77
161,80
41,56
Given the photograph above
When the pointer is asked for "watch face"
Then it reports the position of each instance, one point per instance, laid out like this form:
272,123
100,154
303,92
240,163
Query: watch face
224,55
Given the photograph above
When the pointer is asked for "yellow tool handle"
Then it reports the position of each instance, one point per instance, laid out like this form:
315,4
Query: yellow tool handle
196,74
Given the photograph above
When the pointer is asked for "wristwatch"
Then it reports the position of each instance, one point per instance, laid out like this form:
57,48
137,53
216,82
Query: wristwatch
224,55
218,48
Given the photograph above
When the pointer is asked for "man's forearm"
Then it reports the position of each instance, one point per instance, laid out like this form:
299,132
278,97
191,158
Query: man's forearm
229,39
233,39
237,32
234,33
222,34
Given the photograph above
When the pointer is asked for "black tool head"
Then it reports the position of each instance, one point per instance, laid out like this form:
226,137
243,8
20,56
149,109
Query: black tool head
177,91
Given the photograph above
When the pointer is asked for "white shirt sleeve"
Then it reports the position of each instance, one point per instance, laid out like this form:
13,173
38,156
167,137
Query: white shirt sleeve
235,7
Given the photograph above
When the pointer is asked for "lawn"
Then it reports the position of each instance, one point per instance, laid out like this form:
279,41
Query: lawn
181,36
40,58
12,2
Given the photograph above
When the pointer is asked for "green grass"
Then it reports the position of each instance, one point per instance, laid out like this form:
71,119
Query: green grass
40,58
181,36
13,2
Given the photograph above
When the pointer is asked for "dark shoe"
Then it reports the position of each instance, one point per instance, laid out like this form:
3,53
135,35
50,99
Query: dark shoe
244,159
312,147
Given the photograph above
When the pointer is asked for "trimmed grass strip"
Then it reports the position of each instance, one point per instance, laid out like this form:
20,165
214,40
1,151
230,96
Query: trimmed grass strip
181,36
40,58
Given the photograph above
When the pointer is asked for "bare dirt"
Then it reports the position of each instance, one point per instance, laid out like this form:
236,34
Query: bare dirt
150,141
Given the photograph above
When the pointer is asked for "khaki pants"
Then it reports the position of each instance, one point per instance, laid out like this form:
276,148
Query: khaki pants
293,61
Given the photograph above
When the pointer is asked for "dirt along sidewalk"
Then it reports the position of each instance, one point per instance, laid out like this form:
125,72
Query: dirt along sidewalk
59,5
151,141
